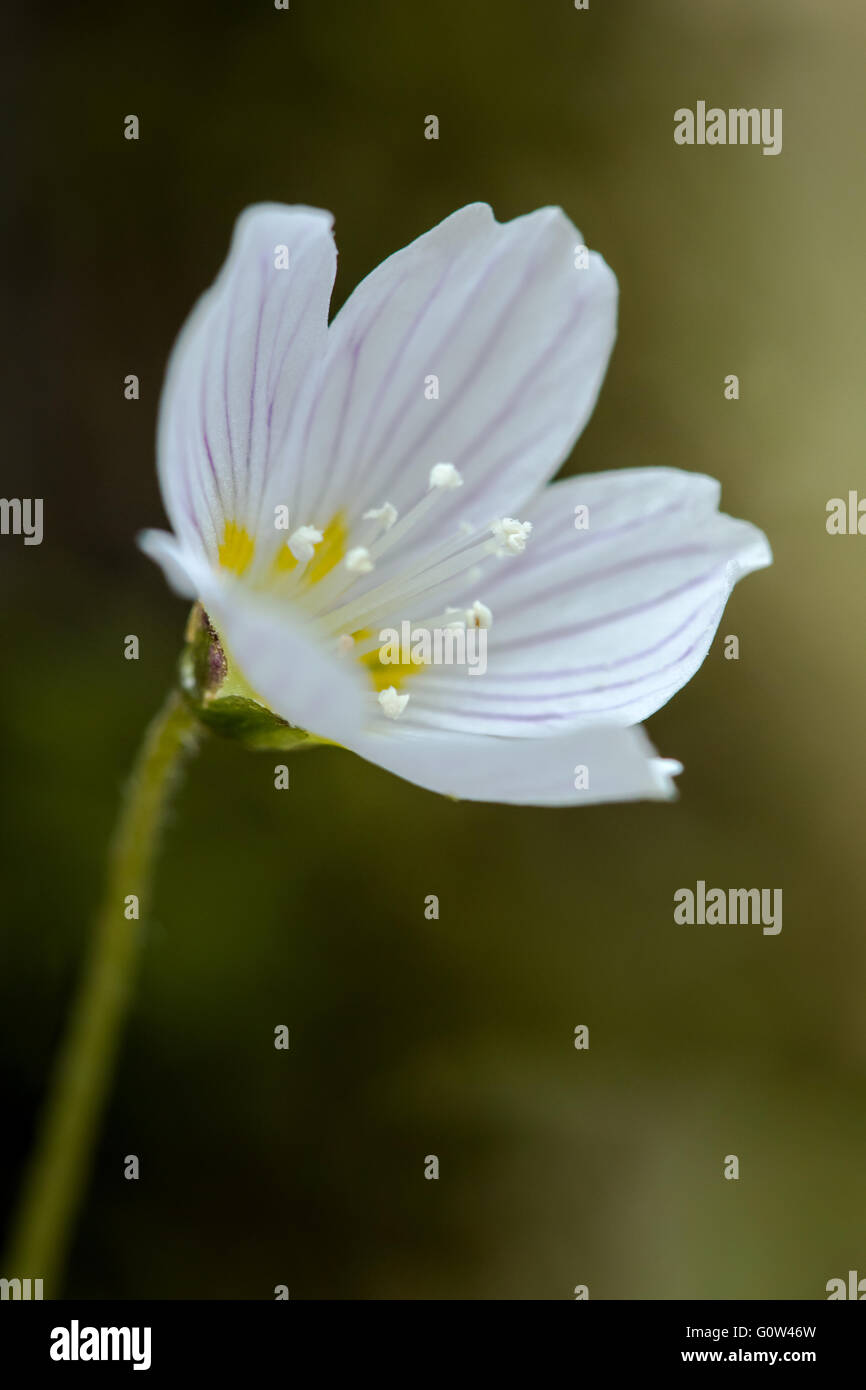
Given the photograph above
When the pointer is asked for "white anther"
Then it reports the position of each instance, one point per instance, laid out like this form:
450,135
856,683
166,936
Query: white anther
303,541
387,514
511,535
345,643
445,476
479,615
358,560
392,704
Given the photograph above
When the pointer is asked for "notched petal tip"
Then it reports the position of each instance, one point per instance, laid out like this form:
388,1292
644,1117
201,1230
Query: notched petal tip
663,771
253,217
163,548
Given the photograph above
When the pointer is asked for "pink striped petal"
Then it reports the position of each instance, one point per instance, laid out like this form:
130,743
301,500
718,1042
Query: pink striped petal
518,339
604,624
237,377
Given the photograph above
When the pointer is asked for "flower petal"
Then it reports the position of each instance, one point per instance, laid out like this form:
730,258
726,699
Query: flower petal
518,338
286,662
298,678
618,764
239,372
604,624
179,564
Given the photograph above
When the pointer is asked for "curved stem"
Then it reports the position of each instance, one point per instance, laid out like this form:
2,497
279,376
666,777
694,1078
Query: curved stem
61,1161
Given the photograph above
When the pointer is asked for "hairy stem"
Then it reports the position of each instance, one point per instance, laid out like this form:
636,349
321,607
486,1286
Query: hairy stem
61,1161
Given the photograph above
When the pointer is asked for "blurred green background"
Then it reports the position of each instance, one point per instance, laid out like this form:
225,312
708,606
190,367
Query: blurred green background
305,907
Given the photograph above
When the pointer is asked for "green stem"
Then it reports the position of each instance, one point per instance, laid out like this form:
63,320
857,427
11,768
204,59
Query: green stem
61,1161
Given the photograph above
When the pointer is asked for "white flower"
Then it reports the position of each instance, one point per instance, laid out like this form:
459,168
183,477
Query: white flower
266,407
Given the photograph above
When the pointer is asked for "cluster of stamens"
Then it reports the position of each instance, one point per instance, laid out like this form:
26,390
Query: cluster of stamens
353,622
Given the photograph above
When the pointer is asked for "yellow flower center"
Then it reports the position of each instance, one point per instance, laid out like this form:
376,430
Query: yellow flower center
237,548
236,554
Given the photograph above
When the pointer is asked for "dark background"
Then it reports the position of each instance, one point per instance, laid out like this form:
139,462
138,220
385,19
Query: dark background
305,907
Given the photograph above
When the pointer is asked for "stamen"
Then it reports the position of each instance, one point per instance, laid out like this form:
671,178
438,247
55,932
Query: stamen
479,615
392,704
303,542
358,560
442,479
445,476
356,624
364,610
387,514
511,535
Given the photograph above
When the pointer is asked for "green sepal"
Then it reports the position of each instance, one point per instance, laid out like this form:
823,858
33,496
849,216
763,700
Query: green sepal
222,699
251,724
